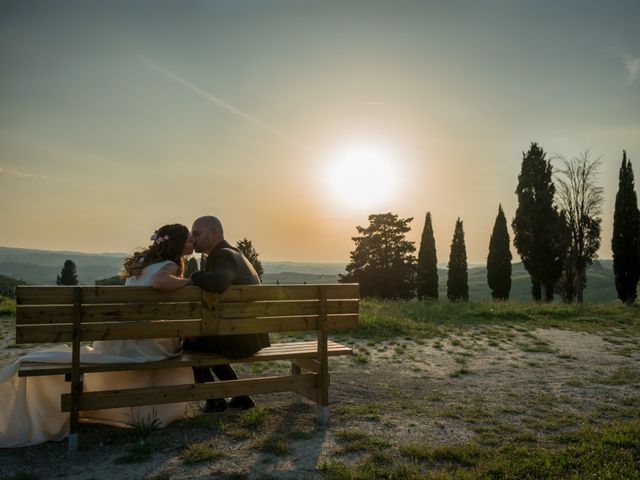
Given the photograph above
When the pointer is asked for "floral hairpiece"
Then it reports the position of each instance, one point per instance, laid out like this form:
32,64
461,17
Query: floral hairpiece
158,239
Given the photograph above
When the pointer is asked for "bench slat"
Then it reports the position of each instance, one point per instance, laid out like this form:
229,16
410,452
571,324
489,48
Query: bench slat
63,295
186,393
230,310
53,314
278,351
283,324
243,293
108,331
176,328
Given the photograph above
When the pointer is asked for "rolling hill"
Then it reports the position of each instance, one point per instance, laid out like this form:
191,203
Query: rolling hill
42,267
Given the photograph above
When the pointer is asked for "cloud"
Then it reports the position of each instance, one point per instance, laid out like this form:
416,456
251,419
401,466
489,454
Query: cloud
15,173
225,105
631,65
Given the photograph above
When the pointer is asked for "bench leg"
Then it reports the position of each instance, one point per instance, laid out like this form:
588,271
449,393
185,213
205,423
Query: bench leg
296,370
74,416
323,415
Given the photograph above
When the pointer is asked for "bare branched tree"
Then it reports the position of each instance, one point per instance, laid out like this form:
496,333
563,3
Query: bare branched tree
581,202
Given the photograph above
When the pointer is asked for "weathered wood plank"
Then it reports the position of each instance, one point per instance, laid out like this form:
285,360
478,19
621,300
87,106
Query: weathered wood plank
277,351
191,392
284,324
63,295
230,310
52,314
175,328
108,331
244,293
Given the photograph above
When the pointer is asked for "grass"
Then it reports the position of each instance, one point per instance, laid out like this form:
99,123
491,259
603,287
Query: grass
277,445
611,452
354,441
621,376
139,452
254,418
386,319
143,427
7,307
200,452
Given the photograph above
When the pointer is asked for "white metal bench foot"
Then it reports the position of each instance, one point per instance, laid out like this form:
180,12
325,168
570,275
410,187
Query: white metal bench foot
73,442
323,416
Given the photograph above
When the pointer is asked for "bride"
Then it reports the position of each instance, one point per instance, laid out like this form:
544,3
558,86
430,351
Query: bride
30,412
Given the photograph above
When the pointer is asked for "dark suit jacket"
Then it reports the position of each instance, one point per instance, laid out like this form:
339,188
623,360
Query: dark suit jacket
227,266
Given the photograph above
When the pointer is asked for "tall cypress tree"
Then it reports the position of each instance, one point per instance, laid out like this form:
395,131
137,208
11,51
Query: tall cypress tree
427,274
68,275
540,233
499,259
626,235
457,281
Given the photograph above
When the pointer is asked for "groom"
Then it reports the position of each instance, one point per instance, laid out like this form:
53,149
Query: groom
225,266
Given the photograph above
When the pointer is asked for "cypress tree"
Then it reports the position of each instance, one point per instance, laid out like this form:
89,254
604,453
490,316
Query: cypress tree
427,273
626,235
499,259
457,281
540,233
68,274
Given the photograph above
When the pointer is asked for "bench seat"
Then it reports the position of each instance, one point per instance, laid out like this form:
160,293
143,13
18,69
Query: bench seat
277,351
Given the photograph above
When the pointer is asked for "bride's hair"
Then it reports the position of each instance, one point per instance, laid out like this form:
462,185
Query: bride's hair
167,243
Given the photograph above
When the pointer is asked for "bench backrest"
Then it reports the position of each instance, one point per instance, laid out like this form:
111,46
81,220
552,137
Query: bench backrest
47,314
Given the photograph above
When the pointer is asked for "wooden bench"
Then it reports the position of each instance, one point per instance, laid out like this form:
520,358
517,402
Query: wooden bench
78,314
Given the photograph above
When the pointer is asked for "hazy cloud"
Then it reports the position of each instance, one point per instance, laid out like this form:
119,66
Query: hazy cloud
226,105
631,65
15,173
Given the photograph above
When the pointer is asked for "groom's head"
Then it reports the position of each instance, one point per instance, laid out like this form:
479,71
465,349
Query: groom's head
206,233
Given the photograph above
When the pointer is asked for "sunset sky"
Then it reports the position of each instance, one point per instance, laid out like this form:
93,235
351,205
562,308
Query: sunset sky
119,116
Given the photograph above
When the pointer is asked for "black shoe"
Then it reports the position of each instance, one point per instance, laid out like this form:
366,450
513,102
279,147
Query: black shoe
214,405
243,403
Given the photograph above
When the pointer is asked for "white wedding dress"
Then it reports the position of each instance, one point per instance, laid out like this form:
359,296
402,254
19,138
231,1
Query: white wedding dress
30,406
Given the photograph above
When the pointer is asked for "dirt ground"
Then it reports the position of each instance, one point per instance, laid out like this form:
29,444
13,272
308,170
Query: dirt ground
479,384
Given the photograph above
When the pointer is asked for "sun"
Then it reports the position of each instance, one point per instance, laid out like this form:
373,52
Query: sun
362,177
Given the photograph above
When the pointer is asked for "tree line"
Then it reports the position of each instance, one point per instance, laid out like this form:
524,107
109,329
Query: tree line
557,227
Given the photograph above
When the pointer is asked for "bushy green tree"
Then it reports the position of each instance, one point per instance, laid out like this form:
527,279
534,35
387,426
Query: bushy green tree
540,233
190,266
581,204
626,235
68,275
427,271
457,281
246,247
499,259
383,262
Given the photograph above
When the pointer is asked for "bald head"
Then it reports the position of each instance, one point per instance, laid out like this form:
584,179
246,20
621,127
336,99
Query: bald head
206,233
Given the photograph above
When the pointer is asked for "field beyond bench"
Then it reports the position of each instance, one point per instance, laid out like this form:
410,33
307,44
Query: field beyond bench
86,313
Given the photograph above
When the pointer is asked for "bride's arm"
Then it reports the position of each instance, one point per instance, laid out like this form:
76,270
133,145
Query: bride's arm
165,279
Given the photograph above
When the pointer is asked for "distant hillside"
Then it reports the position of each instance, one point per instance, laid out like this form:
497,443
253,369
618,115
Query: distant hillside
600,283
43,266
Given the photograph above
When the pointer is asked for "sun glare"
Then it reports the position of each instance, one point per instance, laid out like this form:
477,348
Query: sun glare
362,177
